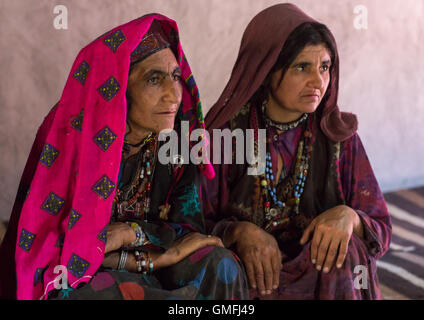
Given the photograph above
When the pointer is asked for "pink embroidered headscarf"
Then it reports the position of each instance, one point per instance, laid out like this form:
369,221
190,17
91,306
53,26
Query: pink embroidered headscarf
73,166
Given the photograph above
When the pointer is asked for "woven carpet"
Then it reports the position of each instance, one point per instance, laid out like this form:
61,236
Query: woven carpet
401,270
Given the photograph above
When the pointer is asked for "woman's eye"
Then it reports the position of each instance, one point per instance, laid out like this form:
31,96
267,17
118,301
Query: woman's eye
176,77
301,67
325,68
154,80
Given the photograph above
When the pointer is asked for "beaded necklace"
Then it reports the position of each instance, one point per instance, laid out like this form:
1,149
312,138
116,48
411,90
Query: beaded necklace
134,201
282,126
279,210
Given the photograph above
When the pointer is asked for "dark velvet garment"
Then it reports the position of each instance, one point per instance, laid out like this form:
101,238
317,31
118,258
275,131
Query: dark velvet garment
185,207
339,173
194,277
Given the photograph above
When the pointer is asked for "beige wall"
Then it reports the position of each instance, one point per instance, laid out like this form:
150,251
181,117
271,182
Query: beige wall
381,68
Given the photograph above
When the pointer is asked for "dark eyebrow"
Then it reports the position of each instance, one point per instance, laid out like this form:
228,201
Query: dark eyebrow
302,63
152,72
306,63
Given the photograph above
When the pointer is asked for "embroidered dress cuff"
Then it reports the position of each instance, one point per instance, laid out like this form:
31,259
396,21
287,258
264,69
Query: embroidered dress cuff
370,238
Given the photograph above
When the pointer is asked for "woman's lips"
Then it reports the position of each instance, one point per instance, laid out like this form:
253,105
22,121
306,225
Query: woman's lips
166,113
312,97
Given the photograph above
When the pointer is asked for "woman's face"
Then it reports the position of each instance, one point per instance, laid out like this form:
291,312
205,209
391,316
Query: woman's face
303,85
155,88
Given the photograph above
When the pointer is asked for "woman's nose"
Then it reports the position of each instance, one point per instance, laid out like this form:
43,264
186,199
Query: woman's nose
173,91
316,80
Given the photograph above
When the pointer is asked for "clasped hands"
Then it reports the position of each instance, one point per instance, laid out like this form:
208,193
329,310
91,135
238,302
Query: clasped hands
120,234
259,251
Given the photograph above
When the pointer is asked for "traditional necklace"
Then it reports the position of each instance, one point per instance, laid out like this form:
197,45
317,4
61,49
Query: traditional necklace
279,211
278,125
127,146
134,201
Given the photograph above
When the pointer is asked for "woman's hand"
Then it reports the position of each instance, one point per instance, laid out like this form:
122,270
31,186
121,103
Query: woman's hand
119,234
185,246
260,254
331,232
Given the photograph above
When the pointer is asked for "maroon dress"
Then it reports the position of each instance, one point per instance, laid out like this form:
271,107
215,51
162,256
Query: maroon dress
340,173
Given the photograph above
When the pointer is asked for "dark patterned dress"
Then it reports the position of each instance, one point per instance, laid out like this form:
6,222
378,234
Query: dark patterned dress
209,273
340,173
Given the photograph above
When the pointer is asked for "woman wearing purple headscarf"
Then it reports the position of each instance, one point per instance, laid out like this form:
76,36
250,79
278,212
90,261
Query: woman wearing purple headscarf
313,224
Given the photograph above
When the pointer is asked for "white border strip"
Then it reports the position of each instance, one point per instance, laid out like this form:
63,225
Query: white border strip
403,215
402,273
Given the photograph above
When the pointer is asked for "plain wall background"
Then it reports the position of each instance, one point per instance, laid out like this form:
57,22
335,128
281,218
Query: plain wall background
381,77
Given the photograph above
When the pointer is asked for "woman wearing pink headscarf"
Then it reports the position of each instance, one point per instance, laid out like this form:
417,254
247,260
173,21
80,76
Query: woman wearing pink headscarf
313,224
98,215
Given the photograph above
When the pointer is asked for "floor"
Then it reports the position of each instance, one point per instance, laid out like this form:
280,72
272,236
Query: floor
401,270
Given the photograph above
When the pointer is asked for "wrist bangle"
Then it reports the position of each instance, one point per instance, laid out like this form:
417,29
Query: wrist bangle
123,260
141,237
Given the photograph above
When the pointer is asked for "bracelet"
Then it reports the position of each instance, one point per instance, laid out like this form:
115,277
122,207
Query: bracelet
141,237
150,265
140,258
123,260
141,262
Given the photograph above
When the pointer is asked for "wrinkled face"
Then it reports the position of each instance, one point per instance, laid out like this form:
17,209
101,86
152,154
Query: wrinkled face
305,81
155,88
